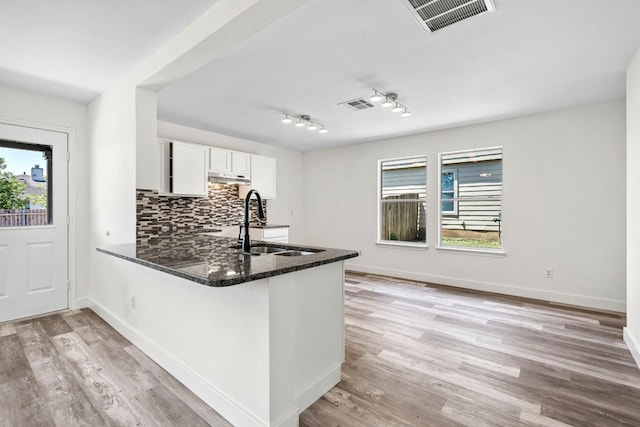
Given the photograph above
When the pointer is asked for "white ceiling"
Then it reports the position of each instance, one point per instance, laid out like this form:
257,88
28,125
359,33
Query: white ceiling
529,56
76,49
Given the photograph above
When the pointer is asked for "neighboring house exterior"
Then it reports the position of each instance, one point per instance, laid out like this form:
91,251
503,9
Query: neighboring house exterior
473,182
403,184
32,214
35,184
470,188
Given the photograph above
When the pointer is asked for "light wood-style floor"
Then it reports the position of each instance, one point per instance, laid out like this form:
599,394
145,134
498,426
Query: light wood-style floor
416,355
72,369
424,355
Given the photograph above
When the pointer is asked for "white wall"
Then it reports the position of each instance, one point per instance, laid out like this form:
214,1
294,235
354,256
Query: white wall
287,207
122,125
20,107
564,198
175,321
632,331
113,166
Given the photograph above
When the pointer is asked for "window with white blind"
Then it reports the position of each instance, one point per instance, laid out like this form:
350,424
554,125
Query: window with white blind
402,210
470,199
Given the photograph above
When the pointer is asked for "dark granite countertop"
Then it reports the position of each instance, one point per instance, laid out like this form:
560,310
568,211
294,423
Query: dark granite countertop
214,261
268,226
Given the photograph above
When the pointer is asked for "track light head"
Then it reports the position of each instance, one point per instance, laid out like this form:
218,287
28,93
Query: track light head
286,119
376,97
389,100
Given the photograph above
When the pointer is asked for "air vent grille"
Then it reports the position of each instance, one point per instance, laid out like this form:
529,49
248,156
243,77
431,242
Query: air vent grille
435,15
357,104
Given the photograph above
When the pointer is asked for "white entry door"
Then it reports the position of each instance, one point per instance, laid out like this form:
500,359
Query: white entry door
33,258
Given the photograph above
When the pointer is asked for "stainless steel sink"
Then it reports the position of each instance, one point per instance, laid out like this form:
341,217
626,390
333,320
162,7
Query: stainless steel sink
295,253
262,249
266,250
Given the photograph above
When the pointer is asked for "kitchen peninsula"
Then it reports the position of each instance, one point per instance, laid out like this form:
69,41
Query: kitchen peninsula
258,337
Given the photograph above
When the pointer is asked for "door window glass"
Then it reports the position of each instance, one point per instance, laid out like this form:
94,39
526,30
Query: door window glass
25,184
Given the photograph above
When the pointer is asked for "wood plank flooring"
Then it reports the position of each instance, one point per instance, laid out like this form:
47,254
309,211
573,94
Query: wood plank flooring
425,355
72,369
416,355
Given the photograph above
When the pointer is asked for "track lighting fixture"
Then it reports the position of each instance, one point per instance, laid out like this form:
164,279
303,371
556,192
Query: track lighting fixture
390,100
286,119
303,120
376,97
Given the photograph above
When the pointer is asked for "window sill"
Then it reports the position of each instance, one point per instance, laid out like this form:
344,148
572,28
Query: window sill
403,245
470,251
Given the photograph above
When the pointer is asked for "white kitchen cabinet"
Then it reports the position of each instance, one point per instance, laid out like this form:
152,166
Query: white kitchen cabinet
229,161
188,165
219,160
241,163
273,234
263,177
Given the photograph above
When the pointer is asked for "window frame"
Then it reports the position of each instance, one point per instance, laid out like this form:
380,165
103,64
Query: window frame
463,249
47,151
454,200
380,202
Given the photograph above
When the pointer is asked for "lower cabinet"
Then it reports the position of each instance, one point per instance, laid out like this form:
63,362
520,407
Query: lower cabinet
274,235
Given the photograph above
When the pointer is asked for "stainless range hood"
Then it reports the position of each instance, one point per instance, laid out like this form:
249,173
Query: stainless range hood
228,178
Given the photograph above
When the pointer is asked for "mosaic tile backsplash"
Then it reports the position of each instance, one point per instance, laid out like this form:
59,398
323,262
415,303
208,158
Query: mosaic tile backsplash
157,215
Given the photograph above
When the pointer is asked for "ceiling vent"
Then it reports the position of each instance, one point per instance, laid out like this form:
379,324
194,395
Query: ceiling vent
435,15
357,104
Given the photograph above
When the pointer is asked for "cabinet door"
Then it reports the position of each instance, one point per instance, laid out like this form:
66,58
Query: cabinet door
241,163
219,160
279,234
189,169
263,175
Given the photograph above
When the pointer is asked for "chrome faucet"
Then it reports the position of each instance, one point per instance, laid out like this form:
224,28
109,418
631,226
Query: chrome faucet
246,240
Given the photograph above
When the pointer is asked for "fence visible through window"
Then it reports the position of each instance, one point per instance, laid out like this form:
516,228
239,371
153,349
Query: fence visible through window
23,217
403,184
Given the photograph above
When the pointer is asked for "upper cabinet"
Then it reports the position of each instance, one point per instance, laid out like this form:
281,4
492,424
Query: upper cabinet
188,165
186,169
241,163
219,160
229,161
263,175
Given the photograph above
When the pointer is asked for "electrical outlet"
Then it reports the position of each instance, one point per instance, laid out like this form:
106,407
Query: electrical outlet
133,302
548,273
